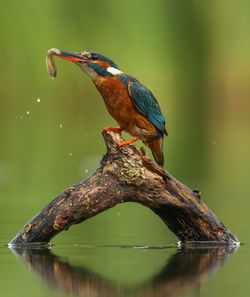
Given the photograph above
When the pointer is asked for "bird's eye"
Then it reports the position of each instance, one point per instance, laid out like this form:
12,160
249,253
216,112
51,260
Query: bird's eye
89,56
94,56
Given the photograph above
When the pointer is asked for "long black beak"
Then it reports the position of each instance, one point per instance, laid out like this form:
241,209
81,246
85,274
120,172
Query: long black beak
71,56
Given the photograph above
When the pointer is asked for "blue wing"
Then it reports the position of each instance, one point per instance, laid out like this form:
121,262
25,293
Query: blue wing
147,105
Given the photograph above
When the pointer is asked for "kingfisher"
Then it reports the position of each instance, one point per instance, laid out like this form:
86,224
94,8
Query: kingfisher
129,102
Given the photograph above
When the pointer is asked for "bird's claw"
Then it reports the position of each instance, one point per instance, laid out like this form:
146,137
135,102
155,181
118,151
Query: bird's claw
117,130
128,142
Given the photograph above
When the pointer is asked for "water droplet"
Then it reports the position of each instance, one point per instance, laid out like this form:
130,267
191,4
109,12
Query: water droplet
70,154
38,100
21,117
86,170
28,112
61,126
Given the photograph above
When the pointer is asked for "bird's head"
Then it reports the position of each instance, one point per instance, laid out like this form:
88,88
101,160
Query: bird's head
92,63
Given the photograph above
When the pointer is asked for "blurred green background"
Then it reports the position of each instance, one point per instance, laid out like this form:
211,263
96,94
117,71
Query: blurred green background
193,55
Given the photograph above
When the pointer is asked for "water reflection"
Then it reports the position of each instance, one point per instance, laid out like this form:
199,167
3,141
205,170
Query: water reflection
185,270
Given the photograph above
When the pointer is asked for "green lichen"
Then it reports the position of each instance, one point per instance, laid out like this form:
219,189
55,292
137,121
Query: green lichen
132,172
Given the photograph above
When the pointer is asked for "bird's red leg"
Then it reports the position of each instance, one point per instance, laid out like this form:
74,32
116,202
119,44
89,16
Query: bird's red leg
118,130
128,142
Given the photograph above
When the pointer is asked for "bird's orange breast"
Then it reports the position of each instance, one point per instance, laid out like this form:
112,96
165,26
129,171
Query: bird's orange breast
116,97
121,108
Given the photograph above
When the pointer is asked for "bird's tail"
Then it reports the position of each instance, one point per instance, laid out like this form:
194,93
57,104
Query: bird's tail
156,147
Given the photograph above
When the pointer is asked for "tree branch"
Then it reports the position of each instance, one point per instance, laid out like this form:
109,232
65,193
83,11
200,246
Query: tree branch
128,174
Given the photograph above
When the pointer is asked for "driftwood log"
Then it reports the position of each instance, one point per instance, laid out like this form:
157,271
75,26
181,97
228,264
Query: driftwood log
127,174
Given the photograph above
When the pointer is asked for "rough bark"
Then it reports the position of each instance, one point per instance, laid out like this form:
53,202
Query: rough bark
128,174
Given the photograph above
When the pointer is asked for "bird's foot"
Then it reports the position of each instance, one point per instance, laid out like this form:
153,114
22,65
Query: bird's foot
128,142
117,130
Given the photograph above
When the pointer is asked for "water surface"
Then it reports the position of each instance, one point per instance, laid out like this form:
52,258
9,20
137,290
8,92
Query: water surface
124,270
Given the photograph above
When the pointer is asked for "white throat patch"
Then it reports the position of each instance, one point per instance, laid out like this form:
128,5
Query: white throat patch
88,70
114,70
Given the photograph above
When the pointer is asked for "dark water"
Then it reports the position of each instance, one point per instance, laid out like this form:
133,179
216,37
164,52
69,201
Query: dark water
113,270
